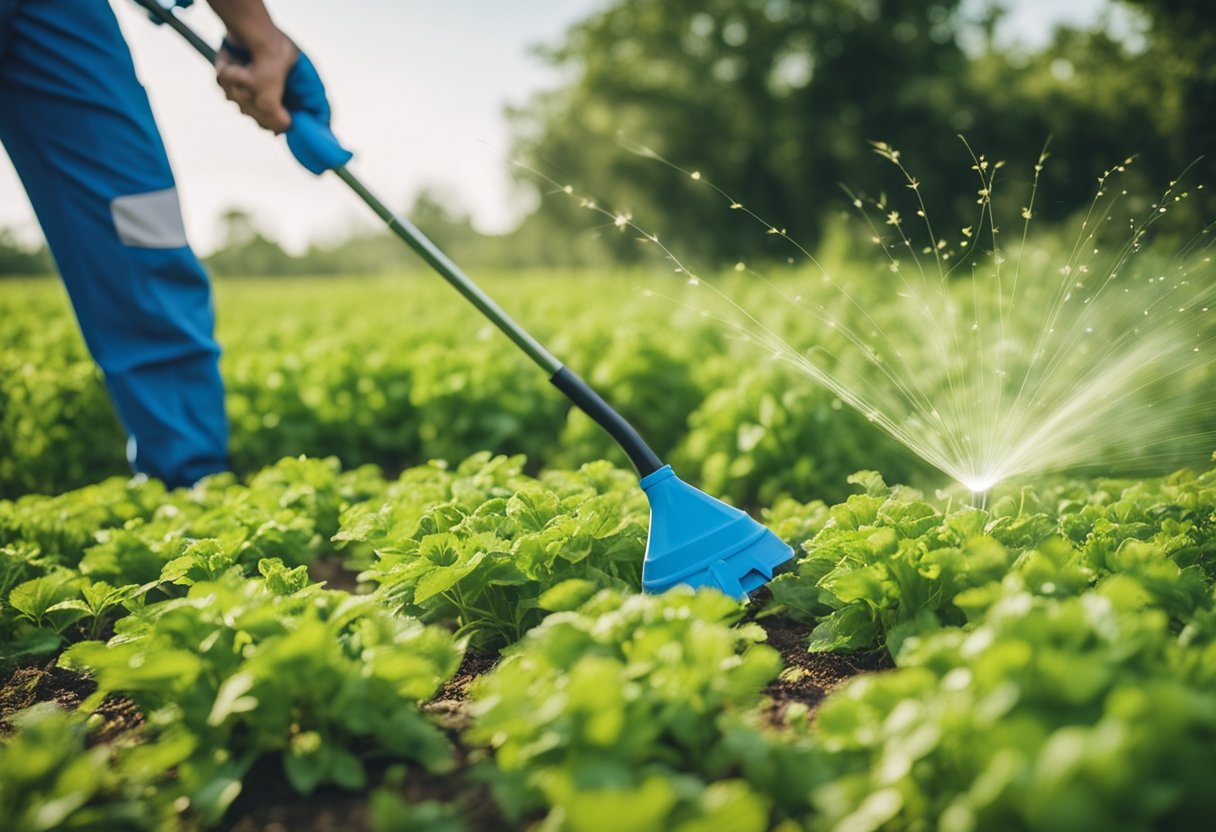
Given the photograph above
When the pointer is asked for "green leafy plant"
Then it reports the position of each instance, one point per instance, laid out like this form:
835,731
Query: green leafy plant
480,545
632,702
51,780
252,668
887,565
97,603
1081,713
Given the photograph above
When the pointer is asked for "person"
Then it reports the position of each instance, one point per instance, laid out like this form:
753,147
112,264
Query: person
78,127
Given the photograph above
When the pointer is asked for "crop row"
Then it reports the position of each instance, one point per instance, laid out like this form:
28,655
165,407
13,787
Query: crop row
1054,655
398,372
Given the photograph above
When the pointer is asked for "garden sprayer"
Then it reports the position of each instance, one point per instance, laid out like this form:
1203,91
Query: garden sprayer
694,539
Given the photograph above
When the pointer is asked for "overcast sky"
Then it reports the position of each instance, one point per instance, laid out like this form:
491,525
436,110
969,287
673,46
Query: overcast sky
418,89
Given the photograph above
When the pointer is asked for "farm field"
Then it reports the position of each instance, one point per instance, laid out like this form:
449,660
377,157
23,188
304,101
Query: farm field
344,634
918,293
396,371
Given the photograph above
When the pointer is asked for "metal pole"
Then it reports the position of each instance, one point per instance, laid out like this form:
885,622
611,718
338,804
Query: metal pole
165,15
400,226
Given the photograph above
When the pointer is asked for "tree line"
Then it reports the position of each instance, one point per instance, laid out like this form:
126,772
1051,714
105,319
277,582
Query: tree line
779,102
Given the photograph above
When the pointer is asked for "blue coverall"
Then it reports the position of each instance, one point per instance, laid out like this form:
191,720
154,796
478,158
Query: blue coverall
77,125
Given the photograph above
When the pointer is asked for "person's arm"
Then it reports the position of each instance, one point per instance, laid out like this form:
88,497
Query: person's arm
256,86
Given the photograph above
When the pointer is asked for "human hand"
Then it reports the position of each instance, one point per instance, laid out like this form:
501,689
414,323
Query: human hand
254,75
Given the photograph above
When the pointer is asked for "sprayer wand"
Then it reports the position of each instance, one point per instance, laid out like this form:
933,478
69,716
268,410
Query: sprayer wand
694,539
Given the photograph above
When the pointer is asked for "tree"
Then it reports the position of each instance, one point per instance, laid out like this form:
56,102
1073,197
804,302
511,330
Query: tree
246,251
775,100
1108,93
1182,52
20,260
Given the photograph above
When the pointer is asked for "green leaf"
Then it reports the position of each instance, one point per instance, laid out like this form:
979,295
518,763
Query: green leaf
36,643
442,578
871,483
34,598
391,813
876,811
306,762
73,604
346,770
282,580
232,698
214,797
644,808
567,595
849,628
729,804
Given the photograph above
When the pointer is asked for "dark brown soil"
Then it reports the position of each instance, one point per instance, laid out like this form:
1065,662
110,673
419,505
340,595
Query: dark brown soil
474,664
47,683
333,572
809,677
268,802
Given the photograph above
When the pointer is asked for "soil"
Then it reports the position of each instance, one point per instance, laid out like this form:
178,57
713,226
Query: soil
47,683
474,664
333,572
809,677
269,804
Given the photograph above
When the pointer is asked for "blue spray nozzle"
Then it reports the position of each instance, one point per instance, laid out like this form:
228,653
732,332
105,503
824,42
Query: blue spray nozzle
700,541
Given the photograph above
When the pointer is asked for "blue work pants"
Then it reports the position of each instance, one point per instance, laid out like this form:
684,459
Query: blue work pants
77,125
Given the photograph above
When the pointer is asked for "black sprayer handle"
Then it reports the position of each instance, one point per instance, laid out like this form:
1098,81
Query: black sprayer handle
589,401
644,459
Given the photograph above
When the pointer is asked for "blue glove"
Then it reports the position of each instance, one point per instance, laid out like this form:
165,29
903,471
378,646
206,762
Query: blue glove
309,137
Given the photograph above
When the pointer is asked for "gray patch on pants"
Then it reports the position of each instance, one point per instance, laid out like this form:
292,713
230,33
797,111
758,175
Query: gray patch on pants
150,220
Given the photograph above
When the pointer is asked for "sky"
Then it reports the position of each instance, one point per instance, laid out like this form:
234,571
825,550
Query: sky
418,89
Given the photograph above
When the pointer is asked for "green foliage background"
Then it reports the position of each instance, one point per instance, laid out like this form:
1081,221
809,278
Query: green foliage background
397,371
777,102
